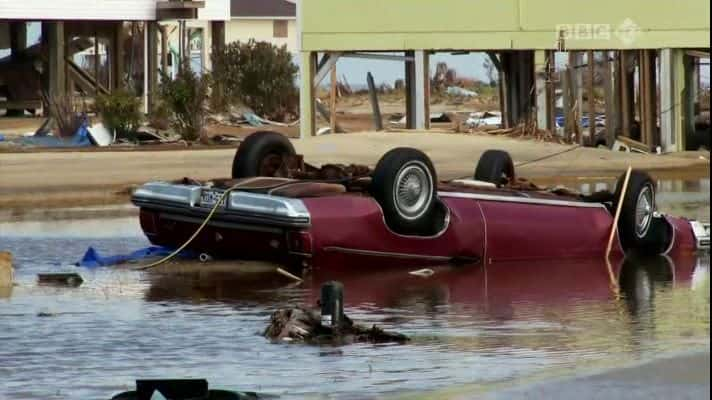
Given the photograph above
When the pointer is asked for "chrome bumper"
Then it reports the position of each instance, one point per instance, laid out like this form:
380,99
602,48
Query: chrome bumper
243,207
702,234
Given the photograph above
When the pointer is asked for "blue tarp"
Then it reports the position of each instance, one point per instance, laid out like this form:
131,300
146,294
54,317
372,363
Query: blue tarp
92,258
80,139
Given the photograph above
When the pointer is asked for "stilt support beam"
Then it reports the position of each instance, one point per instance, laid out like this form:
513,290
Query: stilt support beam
307,103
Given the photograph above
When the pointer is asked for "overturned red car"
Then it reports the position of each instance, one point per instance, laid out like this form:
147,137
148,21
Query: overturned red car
277,207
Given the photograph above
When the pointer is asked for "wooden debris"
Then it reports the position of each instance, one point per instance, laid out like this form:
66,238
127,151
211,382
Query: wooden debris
302,325
60,279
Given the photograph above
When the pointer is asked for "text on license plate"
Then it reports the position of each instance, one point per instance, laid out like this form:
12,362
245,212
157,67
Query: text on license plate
209,197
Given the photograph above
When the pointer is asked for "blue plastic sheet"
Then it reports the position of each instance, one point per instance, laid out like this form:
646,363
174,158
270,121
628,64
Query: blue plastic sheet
92,258
80,139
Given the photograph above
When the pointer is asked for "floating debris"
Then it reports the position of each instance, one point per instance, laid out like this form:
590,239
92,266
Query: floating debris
183,389
45,314
61,279
330,326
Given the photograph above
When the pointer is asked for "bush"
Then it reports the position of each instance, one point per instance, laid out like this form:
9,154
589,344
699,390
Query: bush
259,75
186,98
160,117
121,112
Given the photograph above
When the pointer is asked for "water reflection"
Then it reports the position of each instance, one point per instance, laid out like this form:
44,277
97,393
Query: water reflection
507,305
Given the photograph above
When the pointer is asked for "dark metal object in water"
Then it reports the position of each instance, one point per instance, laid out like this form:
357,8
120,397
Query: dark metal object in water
332,303
62,279
183,389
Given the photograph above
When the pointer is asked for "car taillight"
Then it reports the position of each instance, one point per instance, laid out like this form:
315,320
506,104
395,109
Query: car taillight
299,242
148,222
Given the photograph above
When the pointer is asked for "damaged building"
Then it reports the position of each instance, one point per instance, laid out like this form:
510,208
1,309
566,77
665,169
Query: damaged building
632,70
84,48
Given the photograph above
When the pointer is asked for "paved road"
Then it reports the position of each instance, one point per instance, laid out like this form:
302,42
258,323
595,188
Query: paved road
680,377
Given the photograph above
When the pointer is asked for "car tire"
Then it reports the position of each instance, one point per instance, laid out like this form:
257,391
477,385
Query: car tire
405,184
495,166
639,228
262,154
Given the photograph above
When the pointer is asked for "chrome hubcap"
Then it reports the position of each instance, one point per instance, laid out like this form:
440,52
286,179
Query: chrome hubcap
644,210
413,190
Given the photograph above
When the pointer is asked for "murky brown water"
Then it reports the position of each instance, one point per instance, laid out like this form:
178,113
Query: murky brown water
468,324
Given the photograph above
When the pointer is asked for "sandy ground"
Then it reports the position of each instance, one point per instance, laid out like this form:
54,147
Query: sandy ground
71,179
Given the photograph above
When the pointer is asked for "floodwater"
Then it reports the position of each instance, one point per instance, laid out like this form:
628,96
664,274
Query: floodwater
474,326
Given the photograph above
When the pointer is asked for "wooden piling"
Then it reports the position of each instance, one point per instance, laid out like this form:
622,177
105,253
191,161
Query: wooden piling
56,54
117,60
591,96
375,107
332,99
410,104
610,95
152,28
164,49
576,89
626,98
97,62
18,38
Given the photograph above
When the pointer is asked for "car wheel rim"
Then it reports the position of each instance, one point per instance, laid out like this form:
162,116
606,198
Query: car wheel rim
413,190
644,210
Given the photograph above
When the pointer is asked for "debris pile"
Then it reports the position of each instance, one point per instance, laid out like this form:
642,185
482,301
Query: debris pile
331,326
238,116
302,325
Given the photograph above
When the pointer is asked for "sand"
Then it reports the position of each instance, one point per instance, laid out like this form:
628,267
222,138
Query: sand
38,180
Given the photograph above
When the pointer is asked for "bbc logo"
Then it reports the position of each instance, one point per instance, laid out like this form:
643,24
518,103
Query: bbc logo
584,31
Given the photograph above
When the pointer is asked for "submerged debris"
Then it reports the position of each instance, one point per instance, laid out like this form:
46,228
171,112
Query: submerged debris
183,389
330,326
302,325
62,279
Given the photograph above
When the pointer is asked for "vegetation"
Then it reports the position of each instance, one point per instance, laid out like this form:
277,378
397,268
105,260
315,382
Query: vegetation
259,75
160,117
121,112
185,98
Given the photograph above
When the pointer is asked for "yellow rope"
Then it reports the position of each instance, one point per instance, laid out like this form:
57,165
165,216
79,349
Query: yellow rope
195,234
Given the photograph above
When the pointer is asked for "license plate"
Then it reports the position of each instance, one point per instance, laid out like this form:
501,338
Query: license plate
209,197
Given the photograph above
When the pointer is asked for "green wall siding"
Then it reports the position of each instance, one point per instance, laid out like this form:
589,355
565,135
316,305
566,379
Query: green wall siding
498,24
